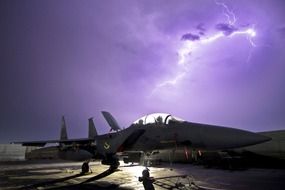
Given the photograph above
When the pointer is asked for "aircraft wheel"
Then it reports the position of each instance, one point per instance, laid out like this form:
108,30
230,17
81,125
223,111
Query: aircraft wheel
114,166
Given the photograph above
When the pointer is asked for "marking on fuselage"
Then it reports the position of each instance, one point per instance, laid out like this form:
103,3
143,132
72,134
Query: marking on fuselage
106,145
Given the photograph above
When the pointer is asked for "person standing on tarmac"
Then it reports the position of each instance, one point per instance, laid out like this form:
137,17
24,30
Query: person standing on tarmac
147,180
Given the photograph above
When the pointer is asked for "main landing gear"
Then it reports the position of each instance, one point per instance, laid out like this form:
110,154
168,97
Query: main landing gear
110,160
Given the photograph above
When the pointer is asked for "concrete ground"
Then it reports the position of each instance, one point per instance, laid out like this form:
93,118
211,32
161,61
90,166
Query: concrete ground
66,175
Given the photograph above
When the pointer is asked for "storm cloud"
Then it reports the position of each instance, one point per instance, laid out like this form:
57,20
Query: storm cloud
77,58
227,29
190,37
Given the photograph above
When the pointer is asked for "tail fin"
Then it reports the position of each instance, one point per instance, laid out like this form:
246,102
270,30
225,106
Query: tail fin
92,132
63,132
111,121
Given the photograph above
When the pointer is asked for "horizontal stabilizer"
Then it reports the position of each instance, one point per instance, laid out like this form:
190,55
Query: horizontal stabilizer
111,121
39,144
63,137
43,143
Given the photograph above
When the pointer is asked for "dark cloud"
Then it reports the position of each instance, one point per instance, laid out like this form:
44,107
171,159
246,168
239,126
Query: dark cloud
227,29
191,37
201,33
201,27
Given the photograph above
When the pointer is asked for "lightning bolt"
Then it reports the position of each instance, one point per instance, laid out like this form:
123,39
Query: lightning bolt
173,81
188,47
229,14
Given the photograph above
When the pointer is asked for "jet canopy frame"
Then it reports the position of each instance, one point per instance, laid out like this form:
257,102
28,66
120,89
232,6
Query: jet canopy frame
157,118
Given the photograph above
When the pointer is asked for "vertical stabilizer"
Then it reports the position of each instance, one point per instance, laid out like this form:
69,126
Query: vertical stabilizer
63,132
111,121
92,132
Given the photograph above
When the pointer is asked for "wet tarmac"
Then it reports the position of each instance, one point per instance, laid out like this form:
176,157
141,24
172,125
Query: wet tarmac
66,175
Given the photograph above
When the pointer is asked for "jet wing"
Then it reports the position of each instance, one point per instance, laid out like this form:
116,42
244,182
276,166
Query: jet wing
43,143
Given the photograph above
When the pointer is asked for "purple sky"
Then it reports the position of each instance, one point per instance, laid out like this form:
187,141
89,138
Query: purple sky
77,58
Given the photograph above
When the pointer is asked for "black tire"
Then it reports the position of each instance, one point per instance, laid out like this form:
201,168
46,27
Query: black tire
85,168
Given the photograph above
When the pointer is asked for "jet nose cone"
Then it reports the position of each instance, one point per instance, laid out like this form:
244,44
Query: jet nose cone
250,138
223,137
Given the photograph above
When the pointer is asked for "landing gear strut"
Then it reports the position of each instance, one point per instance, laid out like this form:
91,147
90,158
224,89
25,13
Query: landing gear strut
112,161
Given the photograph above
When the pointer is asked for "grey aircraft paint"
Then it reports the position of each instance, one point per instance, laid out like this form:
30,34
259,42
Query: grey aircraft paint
157,131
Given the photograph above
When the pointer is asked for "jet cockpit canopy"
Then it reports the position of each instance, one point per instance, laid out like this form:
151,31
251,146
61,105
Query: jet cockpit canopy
157,118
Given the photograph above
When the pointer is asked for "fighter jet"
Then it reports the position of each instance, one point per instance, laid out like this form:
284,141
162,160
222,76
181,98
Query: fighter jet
156,132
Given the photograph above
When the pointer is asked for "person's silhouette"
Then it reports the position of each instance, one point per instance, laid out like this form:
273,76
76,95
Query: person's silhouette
147,180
